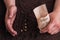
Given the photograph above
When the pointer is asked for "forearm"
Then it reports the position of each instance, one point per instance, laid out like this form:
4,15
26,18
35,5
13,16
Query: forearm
9,3
57,5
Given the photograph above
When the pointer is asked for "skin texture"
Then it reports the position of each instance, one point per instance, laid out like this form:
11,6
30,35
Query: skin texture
54,25
52,28
10,16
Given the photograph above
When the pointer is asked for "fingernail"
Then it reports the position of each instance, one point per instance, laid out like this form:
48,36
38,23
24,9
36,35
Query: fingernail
15,33
42,32
10,16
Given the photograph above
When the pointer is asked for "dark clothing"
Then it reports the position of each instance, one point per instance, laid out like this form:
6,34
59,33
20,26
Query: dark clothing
25,23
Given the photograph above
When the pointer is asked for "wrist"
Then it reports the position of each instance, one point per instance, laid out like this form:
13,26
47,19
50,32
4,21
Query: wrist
9,7
57,9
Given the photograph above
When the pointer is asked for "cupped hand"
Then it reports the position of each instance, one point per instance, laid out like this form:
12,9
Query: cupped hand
9,19
54,25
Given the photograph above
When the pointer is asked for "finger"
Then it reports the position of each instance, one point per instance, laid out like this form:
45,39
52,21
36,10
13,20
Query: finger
10,28
58,25
44,30
55,31
9,23
50,26
12,19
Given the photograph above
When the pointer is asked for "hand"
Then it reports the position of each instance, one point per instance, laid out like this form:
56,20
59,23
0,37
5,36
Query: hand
9,19
54,25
